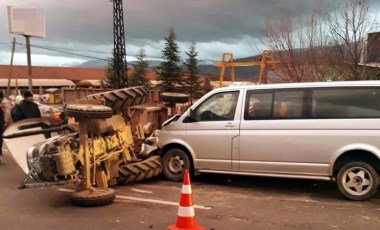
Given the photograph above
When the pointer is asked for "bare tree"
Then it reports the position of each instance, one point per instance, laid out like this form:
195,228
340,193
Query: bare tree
297,45
348,28
328,44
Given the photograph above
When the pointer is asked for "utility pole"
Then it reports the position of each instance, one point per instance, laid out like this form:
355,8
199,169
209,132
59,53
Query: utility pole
120,59
11,67
33,25
30,84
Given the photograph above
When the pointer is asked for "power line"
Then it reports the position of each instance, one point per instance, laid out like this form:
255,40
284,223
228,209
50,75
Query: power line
71,53
51,48
65,52
72,49
4,44
62,51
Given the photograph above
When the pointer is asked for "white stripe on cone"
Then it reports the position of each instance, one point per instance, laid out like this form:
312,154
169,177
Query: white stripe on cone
186,189
186,211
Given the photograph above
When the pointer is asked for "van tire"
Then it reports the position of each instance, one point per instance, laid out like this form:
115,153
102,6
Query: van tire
174,163
357,180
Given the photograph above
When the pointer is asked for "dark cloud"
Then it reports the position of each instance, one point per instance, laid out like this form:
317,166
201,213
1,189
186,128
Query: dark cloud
89,22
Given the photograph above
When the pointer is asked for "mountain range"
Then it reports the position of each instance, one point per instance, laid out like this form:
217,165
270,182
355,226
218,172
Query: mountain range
244,73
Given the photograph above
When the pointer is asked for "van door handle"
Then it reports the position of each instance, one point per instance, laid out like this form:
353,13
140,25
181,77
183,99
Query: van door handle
230,125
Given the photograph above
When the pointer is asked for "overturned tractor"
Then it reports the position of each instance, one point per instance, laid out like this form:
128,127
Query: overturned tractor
94,156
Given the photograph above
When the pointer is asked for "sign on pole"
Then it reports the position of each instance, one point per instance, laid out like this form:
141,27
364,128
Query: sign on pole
29,22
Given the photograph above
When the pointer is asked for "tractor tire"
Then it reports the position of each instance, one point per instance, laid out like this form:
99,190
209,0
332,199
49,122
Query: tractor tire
173,98
97,197
119,99
88,111
138,171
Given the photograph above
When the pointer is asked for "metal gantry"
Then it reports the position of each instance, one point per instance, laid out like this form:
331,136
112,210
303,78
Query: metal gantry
120,59
266,59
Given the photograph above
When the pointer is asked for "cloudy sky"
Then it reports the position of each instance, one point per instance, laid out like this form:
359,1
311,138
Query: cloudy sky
85,27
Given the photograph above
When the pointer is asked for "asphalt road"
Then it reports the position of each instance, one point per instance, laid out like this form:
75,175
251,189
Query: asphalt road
221,203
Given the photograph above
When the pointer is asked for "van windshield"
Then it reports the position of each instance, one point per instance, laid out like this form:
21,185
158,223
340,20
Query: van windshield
220,106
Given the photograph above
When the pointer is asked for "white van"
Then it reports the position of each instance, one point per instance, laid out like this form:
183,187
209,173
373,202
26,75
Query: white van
321,131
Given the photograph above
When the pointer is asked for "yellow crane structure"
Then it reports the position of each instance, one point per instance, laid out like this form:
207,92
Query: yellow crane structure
266,59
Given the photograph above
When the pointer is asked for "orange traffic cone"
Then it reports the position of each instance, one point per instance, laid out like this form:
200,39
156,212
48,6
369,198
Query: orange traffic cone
186,214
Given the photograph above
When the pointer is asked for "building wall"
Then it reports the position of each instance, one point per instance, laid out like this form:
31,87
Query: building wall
43,72
373,47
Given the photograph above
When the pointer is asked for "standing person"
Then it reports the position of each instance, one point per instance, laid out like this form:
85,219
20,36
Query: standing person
27,108
2,123
15,111
6,105
18,99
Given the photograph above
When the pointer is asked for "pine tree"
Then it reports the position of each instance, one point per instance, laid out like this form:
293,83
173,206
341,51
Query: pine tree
111,77
191,63
207,87
169,71
139,73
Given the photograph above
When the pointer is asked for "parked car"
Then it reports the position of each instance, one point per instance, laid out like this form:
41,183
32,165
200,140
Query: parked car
320,131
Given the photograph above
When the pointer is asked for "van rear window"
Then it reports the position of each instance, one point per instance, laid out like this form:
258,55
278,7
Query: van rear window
346,103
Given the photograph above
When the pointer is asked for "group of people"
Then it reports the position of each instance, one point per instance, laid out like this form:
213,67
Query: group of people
23,108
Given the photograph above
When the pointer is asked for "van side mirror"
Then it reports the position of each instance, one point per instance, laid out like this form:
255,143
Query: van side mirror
191,117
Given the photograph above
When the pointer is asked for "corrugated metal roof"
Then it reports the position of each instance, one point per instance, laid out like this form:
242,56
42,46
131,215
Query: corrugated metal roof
47,72
38,83
95,83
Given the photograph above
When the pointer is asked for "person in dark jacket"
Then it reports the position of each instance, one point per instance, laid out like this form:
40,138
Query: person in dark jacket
2,125
27,108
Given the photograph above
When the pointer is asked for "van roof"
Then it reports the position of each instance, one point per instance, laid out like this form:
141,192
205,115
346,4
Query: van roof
303,85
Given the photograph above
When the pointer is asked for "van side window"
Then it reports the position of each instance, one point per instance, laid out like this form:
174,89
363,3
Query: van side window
334,103
258,106
218,107
288,104
274,105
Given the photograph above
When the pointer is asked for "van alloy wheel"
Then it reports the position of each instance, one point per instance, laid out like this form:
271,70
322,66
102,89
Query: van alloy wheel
358,181
175,161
